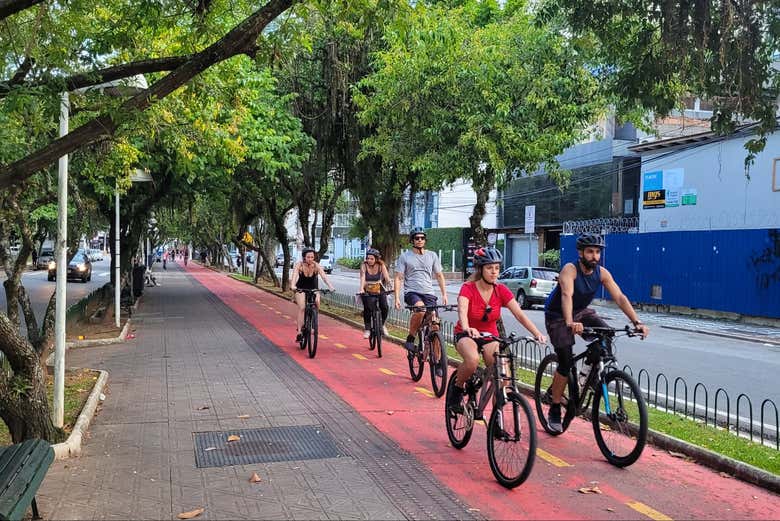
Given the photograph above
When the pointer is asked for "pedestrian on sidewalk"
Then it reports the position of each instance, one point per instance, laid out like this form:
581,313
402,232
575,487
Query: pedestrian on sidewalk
305,275
414,272
373,275
165,259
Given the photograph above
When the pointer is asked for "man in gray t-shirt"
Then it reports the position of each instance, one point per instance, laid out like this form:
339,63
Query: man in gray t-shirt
414,271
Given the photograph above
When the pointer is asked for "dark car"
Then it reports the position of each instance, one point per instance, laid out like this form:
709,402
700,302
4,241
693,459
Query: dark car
280,260
80,267
45,257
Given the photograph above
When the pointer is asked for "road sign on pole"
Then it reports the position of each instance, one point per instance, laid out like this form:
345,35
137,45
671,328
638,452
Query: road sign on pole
530,218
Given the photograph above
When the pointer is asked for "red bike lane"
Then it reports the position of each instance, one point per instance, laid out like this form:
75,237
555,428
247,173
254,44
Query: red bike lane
659,486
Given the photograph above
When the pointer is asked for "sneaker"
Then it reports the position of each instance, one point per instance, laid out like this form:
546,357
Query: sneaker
298,337
554,418
366,333
384,331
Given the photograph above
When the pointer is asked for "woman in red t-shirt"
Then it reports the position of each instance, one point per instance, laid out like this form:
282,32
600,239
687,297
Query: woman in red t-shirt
479,308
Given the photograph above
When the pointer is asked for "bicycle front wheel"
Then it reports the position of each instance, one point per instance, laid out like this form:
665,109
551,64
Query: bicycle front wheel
619,419
543,394
511,441
378,333
417,360
304,332
313,335
438,363
457,414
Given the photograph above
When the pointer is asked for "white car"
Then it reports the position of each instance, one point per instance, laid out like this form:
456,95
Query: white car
327,263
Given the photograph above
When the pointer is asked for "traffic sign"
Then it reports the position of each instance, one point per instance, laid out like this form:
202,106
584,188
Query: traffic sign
530,218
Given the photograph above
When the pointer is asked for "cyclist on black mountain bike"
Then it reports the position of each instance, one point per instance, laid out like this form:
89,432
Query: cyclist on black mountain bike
414,271
373,275
304,276
479,308
566,312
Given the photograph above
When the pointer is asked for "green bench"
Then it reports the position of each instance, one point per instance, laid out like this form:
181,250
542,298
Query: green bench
22,469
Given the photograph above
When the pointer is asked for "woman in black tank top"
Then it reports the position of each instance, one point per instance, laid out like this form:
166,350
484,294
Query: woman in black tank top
304,276
373,275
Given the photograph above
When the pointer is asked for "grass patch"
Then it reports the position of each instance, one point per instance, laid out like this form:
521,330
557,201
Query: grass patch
78,385
243,278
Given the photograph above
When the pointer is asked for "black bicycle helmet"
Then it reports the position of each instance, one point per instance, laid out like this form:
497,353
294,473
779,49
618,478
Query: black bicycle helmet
374,252
417,230
590,240
485,256
307,250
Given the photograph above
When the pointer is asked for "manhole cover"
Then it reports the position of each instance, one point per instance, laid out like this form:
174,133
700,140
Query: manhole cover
263,445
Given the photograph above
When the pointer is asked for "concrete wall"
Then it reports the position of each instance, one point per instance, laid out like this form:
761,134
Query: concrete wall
711,180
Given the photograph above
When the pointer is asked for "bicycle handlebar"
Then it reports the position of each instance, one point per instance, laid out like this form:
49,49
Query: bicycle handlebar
607,331
511,339
381,293
304,290
448,307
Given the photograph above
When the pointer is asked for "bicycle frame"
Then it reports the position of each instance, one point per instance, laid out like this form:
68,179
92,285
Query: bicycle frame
487,387
602,348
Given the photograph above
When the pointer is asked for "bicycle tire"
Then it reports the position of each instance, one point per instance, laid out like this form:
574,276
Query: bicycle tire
305,329
512,425
438,383
417,360
371,339
313,335
629,437
459,426
377,330
543,398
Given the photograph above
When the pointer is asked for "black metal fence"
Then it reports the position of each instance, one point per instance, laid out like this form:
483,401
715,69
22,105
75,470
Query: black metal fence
675,396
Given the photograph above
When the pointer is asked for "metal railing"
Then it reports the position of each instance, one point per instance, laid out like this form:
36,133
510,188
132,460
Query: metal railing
697,402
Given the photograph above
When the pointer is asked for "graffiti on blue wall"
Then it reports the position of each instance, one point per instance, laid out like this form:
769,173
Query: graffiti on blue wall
729,270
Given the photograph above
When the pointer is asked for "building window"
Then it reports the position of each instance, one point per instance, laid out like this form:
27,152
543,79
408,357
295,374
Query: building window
776,175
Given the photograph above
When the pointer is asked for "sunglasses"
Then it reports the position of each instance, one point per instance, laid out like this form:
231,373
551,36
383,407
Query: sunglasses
419,238
485,317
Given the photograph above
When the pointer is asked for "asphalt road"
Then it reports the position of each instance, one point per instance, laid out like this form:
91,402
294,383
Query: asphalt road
41,290
736,366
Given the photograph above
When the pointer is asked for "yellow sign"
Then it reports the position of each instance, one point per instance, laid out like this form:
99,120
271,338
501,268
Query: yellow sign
247,238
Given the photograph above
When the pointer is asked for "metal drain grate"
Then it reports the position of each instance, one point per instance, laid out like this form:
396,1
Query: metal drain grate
263,446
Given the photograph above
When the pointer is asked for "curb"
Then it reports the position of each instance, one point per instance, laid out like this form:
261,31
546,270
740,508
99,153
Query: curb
706,457
733,336
101,341
72,446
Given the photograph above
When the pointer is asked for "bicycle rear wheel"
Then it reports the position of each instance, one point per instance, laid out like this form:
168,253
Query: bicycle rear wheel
511,441
417,360
619,419
313,335
543,394
438,363
459,417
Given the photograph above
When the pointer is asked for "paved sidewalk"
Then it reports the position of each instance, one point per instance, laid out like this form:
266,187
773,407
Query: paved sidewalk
196,366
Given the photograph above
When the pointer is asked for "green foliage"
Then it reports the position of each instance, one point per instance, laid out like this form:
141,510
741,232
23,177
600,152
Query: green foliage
550,259
446,240
351,263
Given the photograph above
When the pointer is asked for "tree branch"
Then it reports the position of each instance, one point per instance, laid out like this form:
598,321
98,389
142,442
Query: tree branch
237,41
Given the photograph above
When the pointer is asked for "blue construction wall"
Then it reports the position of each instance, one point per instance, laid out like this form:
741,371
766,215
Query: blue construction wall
726,270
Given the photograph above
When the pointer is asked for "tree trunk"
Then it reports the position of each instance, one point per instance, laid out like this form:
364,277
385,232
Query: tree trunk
482,185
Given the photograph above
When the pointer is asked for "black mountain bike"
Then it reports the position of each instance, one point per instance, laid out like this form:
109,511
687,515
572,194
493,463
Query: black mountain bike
310,328
430,346
511,434
618,414
375,325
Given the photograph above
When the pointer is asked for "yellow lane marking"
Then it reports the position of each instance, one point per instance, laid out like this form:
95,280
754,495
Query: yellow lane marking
549,458
424,391
649,512
278,312
323,336
341,346
387,371
359,356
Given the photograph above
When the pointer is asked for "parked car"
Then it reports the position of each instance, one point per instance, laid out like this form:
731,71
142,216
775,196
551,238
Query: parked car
327,263
531,285
44,258
96,255
79,267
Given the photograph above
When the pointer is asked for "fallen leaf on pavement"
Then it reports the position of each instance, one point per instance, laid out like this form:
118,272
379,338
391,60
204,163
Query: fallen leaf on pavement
234,437
191,513
254,478
677,454
209,448
724,475
390,413
243,416
590,490
203,407
610,509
